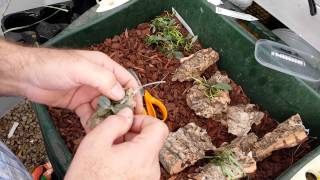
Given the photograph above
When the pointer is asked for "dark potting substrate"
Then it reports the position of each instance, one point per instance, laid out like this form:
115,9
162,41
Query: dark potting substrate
130,50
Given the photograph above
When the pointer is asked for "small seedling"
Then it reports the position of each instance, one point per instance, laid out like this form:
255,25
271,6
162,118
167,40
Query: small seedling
162,22
107,107
212,90
189,44
167,37
227,162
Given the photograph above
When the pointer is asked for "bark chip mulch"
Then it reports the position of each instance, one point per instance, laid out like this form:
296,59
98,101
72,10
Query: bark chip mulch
129,49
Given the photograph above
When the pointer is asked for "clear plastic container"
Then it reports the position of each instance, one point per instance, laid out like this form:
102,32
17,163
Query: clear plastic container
295,41
288,60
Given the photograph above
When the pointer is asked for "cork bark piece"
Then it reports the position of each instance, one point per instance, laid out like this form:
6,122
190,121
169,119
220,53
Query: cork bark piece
195,65
246,165
241,148
184,147
240,118
244,143
210,172
288,134
205,107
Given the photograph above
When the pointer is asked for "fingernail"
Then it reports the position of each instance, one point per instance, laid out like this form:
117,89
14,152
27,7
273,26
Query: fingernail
117,91
126,113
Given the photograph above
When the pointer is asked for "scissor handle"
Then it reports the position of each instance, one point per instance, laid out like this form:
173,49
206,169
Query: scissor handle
150,101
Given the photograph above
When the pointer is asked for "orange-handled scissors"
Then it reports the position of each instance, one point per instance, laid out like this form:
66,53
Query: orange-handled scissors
150,101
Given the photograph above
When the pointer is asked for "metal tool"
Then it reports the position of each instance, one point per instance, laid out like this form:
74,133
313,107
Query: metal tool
151,102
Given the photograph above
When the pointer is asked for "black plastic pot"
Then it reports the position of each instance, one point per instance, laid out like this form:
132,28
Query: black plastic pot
19,19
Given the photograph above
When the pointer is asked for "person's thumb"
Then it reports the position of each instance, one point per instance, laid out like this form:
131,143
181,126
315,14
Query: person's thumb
151,132
100,78
115,126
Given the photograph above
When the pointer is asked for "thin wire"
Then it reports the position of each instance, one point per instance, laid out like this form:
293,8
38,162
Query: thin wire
308,132
5,10
149,84
297,149
153,83
53,7
161,80
30,25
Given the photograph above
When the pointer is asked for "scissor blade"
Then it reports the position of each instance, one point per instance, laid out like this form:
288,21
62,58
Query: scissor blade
135,75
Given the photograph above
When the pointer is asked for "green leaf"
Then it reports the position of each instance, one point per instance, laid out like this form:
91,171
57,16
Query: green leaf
225,160
102,112
104,102
167,36
170,55
178,55
222,86
118,107
172,22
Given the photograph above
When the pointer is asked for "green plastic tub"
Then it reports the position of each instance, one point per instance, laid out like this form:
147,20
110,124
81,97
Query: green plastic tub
280,94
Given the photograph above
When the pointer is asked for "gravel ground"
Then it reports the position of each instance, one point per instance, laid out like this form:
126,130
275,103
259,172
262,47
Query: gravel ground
26,142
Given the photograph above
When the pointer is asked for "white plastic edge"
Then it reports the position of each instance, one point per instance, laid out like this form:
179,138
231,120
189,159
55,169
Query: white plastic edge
235,14
312,167
215,2
106,5
183,22
13,129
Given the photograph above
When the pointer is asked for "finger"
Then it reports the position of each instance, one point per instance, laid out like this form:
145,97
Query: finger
81,96
100,78
122,75
127,81
152,132
139,109
115,126
94,103
119,140
129,136
84,112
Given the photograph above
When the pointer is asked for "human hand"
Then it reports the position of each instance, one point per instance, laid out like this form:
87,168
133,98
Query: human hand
121,147
74,79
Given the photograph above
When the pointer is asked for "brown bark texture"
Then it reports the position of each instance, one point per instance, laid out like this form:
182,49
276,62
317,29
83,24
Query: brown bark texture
204,106
288,134
184,147
195,65
241,117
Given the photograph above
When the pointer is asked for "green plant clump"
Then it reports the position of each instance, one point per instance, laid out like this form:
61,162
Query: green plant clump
227,162
166,36
213,90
